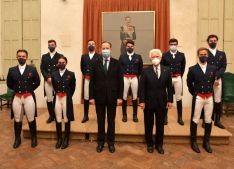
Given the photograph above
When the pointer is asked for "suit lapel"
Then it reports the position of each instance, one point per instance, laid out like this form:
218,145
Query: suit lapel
110,66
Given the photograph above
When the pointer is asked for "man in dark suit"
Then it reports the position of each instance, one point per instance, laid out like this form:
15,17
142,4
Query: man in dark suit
86,65
218,59
200,82
23,80
106,91
155,94
49,63
175,60
131,65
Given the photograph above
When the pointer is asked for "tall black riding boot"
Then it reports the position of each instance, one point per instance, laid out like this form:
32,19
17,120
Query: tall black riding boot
217,115
59,135
86,111
50,108
206,141
17,128
193,136
135,106
124,110
66,135
33,131
179,111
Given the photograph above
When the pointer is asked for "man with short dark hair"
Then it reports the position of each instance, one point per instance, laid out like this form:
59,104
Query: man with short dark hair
23,80
219,60
200,82
131,65
49,63
176,61
106,92
86,66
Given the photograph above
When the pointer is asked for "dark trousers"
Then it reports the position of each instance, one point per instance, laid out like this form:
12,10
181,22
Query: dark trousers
101,110
149,123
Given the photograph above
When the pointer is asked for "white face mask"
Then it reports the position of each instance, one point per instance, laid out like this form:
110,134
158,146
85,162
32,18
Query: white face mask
156,61
173,48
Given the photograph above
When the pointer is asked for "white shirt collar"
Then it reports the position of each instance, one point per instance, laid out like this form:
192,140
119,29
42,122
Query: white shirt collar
213,51
61,72
52,53
173,53
22,67
91,55
130,54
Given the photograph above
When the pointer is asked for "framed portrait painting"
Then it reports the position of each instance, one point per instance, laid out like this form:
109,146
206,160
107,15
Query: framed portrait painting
139,26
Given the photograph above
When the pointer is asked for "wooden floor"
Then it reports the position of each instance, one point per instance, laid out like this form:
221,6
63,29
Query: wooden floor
130,131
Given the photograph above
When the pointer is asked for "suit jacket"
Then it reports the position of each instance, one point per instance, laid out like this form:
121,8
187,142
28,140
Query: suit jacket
48,65
86,64
106,88
65,83
154,91
25,83
176,65
219,61
132,67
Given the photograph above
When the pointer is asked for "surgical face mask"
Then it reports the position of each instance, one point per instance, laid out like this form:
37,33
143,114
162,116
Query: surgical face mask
61,66
51,49
156,61
173,48
212,45
105,53
21,61
130,50
91,48
203,59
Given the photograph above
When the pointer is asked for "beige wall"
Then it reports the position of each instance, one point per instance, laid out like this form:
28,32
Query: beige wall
62,21
183,14
0,37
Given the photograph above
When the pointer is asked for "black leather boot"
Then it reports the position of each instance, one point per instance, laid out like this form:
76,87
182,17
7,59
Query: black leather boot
86,111
193,135
124,110
33,131
179,111
206,144
17,128
66,135
217,113
135,106
59,135
166,118
50,108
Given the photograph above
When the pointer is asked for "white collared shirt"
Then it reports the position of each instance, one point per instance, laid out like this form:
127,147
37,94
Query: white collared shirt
61,72
203,67
22,68
52,54
108,62
91,55
173,54
158,68
130,55
213,51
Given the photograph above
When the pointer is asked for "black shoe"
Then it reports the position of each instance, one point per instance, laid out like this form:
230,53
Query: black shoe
219,125
160,149
50,119
150,149
217,112
181,122
111,148
99,148
59,143
17,128
124,119
135,119
85,119
65,143
195,147
33,131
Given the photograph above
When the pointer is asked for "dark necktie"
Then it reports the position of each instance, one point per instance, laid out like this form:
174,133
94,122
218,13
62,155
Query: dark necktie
105,66
156,72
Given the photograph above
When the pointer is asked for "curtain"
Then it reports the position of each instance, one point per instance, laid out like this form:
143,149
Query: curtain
92,18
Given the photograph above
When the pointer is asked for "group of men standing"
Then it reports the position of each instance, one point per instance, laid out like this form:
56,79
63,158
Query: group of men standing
107,83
